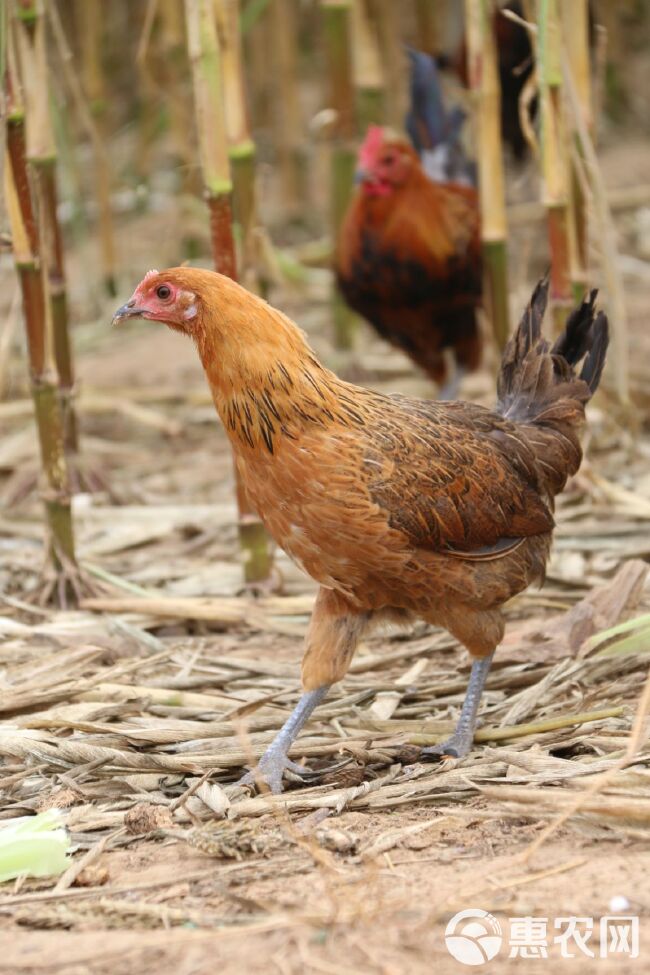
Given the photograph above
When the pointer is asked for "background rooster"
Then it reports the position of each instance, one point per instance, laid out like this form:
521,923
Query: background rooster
408,257
398,507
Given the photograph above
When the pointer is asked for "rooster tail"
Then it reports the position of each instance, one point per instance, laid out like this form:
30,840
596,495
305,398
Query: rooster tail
426,122
545,388
434,130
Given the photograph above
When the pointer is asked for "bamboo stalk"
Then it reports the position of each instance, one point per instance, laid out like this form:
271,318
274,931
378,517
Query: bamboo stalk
147,110
575,23
25,241
486,94
337,17
241,148
172,27
554,159
256,35
392,53
287,114
427,24
42,157
205,59
607,235
90,32
367,67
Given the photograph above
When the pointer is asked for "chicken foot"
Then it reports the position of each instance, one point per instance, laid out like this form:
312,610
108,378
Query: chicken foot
275,760
460,743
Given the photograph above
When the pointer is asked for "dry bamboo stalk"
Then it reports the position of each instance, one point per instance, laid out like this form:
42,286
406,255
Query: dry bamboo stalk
337,17
205,58
287,117
486,95
367,66
25,234
554,159
90,32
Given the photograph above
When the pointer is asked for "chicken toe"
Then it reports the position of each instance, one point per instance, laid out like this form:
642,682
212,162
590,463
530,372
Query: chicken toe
271,767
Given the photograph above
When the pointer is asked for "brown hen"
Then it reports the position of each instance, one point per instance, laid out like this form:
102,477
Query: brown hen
399,508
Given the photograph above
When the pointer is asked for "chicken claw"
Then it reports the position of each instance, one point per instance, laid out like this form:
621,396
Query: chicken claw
270,770
271,767
462,739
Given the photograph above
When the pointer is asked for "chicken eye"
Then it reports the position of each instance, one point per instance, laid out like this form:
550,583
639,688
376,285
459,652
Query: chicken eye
163,292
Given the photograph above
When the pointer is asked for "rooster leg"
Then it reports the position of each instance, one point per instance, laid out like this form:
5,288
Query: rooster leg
451,389
461,741
271,766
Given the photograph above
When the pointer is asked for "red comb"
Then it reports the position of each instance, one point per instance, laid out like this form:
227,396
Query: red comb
150,274
371,145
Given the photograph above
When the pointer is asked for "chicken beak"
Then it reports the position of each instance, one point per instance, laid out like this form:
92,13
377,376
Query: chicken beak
129,310
361,176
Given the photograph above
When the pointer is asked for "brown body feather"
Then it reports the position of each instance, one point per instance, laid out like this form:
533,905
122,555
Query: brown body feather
410,263
397,507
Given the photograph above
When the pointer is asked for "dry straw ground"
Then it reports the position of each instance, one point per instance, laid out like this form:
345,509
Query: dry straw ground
135,714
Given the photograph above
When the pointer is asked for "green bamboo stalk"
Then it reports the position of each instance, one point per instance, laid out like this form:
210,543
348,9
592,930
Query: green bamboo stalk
337,17
42,159
47,407
554,157
205,59
486,96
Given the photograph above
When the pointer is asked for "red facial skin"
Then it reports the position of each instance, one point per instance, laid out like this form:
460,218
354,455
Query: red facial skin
383,165
389,171
159,300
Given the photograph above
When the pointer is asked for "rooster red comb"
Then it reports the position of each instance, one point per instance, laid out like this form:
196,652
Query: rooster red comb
370,146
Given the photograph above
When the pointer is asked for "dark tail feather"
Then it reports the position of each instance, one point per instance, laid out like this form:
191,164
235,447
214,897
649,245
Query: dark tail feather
533,374
426,122
540,386
585,335
434,129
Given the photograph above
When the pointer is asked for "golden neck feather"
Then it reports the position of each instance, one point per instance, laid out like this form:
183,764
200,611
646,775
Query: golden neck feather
266,382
